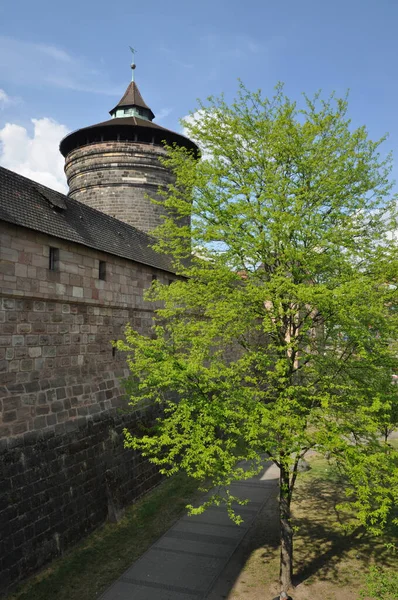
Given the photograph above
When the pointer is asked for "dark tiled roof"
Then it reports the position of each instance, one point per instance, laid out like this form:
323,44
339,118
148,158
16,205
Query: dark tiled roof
125,128
28,204
132,122
132,97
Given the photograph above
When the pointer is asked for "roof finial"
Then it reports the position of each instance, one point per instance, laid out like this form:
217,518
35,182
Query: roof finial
133,65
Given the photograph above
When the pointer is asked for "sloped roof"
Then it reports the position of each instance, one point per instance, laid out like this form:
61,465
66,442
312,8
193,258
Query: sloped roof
132,97
28,204
125,127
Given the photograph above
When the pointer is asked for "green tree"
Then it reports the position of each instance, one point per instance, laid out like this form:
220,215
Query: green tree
278,335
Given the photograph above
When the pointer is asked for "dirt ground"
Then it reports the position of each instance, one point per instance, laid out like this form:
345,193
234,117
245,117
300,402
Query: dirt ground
329,564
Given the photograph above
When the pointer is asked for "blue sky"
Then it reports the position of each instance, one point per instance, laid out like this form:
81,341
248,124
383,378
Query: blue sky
68,62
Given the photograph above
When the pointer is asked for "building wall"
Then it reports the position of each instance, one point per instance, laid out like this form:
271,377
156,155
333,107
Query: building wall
115,178
59,485
60,393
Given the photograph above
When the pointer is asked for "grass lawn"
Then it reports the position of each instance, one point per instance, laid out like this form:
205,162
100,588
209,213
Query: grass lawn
329,564
86,570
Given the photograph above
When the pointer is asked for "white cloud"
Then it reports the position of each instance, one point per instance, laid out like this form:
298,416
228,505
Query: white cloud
163,113
36,156
5,99
44,64
191,121
200,119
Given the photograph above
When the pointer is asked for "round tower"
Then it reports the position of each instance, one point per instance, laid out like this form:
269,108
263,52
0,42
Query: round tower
113,166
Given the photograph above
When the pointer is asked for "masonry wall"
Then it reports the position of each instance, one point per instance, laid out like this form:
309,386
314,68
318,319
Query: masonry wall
116,177
62,458
58,485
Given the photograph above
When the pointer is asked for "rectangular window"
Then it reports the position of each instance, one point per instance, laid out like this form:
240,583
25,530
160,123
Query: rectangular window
53,259
154,277
102,270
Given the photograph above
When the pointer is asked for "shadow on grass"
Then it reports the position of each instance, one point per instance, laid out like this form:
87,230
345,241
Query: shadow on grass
322,544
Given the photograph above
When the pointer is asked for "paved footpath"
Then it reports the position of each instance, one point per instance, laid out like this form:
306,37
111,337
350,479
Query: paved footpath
185,563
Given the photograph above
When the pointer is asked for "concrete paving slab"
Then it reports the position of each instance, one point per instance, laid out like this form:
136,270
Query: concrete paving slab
212,530
123,590
218,517
251,492
196,546
187,560
195,572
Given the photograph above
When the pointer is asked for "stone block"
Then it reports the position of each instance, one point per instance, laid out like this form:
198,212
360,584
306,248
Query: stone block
7,268
28,399
51,420
39,306
18,340
11,403
49,351
5,340
19,428
26,365
38,423
77,292
20,352
39,364
9,416
60,289
61,393
21,270
14,366
34,351
24,328
23,377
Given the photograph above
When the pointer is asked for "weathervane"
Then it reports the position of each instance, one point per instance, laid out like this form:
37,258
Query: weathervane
133,65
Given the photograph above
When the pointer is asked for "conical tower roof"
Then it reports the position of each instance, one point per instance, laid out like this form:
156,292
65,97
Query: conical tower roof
132,99
131,122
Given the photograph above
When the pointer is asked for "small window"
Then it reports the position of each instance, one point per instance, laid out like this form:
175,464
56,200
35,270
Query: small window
113,352
154,277
53,259
102,270
170,281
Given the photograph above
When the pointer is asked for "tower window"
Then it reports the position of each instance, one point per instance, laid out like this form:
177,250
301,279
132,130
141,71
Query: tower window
102,270
53,259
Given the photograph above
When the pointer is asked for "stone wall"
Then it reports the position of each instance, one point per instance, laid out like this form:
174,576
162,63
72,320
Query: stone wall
115,178
61,394
58,485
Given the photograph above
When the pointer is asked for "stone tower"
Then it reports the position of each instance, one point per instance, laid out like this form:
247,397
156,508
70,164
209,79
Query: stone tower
113,166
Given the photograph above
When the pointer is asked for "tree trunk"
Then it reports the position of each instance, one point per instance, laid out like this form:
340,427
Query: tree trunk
286,557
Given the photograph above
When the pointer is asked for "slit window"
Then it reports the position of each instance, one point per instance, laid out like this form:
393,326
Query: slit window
53,259
102,270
